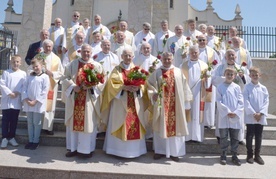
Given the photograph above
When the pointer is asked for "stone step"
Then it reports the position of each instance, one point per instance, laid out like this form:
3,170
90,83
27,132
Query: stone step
269,132
208,146
50,162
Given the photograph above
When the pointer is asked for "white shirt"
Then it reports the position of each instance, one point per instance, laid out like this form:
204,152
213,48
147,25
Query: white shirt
108,61
159,42
118,49
103,30
145,62
141,37
12,81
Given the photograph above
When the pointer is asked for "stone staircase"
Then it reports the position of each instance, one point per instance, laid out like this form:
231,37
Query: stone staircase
57,142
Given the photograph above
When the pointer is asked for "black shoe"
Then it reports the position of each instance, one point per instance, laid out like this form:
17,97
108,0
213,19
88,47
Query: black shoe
236,161
218,139
241,142
49,132
223,160
249,159
85,155
28,145
71,154
157,156
34,146
176,159
258,159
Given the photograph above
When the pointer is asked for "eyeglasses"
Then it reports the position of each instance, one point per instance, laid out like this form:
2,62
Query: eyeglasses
76,16
201,40
146,29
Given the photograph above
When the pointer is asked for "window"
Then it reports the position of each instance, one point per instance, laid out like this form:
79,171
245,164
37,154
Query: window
171,4
72,2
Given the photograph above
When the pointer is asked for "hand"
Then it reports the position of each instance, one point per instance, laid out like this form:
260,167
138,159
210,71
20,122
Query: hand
231,115
257,116
126,88
241,73
64,50
32,103
155,97
77,89
59,50
49,73
12,95
184,55
134,88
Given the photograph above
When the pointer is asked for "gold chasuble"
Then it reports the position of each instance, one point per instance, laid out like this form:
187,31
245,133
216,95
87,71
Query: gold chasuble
127,124
169,102
50,97
79,108
243,55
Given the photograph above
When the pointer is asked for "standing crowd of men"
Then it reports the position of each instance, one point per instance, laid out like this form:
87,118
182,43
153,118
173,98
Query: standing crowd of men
173,106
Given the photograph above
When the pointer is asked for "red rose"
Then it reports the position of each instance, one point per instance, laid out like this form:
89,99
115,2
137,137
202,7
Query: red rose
167,36
79,51
38,50
80,23
146,73
243,64
224,33
136,68
144,39
95,56
91,66
113,27
215,62
143,71
229,42
159,57
188,38
165,75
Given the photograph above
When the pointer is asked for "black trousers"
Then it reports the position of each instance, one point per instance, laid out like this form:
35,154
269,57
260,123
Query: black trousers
251,131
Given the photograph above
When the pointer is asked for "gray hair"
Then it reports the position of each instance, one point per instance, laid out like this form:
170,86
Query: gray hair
200,26
146,24
47,42
194,48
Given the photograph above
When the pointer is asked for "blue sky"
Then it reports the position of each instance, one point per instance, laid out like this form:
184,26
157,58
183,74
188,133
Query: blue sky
254,12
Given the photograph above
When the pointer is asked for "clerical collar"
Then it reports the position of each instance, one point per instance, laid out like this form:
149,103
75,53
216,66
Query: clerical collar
143,56
165,32
126,66
82,61
210,37
106,54
193,61
230,64
56,28
74,23
202,49
164,68
191,32
236,49
78,46
34,73
258,84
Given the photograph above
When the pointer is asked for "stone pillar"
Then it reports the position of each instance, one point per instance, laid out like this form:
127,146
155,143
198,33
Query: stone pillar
37,15
139,11
160,12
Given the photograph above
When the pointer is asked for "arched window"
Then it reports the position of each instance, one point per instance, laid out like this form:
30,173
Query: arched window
171,4
72,2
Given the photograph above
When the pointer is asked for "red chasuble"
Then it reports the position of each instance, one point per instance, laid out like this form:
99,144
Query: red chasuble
79,108
132,121
169,102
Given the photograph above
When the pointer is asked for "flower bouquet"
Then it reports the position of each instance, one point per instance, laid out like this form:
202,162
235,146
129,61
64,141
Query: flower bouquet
154,63
88,76
136,77
218,43
206,72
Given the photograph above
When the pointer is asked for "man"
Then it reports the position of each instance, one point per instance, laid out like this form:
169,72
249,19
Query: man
145,60
171,96
56,35
161,38
233,32
126,125
192,32
178,45
241,79
143,36
108,59
242,54
74,51
119,45
96,43
71,31
202,28
209,56
82,107
86,26
98,26
215,42
198,80
36,47
123,26
55,71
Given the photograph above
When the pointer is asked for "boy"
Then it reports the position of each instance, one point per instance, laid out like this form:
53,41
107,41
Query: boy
230,108
256,101
11,85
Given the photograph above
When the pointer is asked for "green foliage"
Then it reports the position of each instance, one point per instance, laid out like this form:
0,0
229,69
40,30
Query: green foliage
272,56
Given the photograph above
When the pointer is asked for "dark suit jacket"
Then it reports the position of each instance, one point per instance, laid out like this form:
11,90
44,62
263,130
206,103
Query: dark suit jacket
32,51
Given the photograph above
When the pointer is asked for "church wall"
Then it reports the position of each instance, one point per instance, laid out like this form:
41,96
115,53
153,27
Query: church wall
178,14
64,13
160,12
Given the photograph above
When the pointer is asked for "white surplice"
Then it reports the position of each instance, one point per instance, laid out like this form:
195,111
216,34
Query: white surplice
141,37
108,61
119,48
75,26
12,81
145,62
96,48
102,29
248,57
256,100
58,37
215,40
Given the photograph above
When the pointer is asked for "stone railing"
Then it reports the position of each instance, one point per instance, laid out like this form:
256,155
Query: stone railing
268,78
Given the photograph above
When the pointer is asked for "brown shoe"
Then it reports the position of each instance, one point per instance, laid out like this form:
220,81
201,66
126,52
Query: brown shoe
71,154
157,156
176,159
